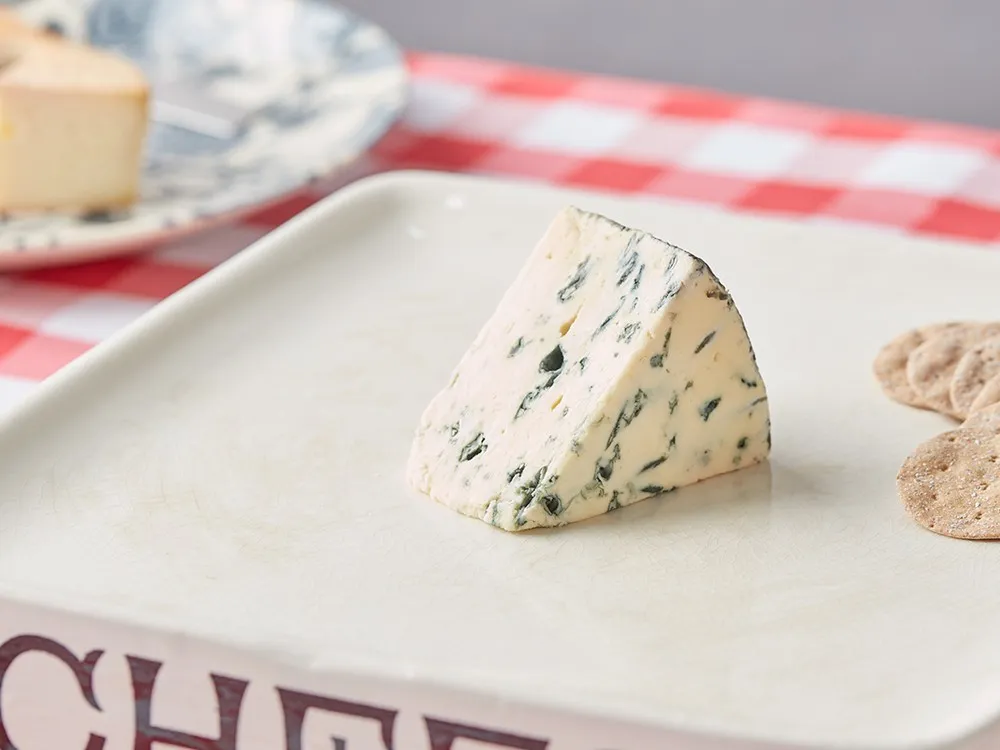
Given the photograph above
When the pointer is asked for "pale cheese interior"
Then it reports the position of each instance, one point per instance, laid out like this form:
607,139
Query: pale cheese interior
73,122
657,385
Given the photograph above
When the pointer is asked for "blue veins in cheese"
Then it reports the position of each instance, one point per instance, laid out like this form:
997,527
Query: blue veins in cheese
615,368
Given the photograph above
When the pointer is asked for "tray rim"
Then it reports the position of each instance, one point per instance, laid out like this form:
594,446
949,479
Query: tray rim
47,394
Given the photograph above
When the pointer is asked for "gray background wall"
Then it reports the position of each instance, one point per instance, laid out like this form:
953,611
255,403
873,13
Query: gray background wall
922,58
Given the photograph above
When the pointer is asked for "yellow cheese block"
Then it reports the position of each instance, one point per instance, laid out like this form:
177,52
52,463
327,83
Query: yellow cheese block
73,123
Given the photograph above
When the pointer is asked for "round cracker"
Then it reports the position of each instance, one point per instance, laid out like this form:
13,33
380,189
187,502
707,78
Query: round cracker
974,369
951,484
890,363
989,395
987,418
932,365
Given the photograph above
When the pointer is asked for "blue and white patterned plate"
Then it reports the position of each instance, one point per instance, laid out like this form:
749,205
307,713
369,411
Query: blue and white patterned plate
252,100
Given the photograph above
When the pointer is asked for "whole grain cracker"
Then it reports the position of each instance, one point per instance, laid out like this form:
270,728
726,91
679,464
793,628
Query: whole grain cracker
890,363
974,370
987,418
932,365
989,395
951,484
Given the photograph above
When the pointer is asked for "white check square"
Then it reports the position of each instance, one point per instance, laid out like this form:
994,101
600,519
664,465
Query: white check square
748,151
927,168
95,317
435,104
210,248
577,128
13,391
983,187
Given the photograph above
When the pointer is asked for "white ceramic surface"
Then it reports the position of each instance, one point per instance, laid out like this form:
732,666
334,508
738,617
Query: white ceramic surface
231,467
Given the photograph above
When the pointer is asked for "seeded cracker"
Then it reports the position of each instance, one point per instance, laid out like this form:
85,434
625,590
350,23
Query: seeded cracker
987,418
951,484
932,365
989,395
974,370
890,363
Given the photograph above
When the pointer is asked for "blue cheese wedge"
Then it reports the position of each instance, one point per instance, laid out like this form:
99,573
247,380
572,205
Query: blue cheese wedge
616,368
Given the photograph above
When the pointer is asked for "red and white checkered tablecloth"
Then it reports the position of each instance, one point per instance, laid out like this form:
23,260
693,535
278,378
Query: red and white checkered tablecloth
486,117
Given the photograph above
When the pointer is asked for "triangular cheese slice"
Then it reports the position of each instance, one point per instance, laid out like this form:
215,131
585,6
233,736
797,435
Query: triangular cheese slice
73,122
615,368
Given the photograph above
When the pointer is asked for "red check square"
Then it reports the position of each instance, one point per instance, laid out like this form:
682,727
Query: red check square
39,356
547,84
11,338
278,213
788,198
868,127
84,276
613,175
444,152
398,140
959,219
699,105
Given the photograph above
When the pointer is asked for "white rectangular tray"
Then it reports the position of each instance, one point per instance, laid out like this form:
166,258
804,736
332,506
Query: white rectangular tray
221,488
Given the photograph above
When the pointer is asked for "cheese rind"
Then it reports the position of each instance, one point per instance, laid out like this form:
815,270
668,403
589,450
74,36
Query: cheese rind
73,123
615,368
